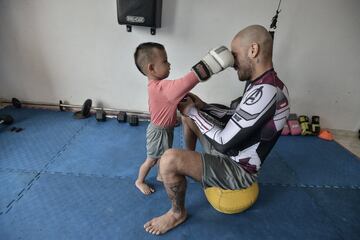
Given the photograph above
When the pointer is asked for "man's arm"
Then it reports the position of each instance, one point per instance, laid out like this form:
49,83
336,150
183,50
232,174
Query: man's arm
220,114
255,109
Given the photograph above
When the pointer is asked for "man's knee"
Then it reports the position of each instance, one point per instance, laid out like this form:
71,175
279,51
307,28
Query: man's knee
169,160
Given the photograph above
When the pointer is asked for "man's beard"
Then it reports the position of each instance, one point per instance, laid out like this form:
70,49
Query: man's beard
245,70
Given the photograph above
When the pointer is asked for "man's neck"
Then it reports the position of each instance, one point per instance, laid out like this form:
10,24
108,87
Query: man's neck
260,70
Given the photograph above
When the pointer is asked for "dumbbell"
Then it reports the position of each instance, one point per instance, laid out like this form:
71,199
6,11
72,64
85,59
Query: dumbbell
121,117
84,113
101,116
16,103
85,109
6,119
133,120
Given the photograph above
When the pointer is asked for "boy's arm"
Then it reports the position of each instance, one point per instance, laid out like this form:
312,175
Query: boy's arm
175,90
214,62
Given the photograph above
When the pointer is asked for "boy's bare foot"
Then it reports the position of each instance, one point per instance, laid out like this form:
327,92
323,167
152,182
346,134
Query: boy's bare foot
144,188
164,223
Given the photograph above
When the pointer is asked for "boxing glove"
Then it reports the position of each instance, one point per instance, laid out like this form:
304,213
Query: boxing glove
315,125
305,125
286,130
215,61
294,125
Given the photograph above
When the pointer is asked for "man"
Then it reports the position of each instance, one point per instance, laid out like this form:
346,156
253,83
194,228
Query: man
234,151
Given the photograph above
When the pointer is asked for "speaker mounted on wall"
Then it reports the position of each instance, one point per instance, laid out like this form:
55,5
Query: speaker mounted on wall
146,13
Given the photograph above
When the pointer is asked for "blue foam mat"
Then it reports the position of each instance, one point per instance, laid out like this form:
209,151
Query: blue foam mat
73,207
104,149
341,207
13,187
311,161
78,177
45,134
107,149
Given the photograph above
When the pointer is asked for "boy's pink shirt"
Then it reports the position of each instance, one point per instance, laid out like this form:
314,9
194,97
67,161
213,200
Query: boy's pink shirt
165,95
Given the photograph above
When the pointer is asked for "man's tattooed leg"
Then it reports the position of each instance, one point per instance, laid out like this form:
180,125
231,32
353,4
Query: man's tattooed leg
176,192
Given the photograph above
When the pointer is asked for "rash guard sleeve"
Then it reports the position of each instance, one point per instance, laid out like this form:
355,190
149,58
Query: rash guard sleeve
255,109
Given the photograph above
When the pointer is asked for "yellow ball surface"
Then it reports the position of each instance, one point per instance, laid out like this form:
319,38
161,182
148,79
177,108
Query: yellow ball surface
232,201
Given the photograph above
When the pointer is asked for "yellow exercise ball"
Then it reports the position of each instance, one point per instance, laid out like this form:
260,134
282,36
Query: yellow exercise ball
232,201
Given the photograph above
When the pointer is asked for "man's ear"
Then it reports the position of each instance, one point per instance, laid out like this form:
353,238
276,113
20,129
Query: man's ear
253,50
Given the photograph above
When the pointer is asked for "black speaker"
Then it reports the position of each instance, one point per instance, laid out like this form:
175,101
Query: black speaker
146,13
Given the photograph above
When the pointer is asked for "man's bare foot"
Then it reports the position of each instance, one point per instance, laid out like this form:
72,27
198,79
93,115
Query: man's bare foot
143,187
164,223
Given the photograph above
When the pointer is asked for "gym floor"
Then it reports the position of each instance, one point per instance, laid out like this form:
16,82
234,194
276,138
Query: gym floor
74,179
347,139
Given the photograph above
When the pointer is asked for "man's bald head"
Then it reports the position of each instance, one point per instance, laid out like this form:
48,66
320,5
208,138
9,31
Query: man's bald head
257,34
252,50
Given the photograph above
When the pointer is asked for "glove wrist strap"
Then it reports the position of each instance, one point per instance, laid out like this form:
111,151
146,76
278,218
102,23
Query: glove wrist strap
201,71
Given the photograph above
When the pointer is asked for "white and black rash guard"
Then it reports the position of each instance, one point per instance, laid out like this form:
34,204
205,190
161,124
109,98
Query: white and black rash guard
253,127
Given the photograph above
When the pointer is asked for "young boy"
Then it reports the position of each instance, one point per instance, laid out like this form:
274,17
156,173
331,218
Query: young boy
165,95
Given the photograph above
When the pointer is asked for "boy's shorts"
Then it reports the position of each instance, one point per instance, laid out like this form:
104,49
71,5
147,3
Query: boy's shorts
221,171
158,139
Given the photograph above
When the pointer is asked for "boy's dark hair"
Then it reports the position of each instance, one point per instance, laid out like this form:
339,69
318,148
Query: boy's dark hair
144,54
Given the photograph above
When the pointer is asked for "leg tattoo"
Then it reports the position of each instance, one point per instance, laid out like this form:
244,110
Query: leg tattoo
176,192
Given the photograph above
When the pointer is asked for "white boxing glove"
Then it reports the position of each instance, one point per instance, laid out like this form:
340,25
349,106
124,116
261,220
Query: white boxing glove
215,61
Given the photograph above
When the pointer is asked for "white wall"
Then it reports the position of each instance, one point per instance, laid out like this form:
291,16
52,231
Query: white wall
75,49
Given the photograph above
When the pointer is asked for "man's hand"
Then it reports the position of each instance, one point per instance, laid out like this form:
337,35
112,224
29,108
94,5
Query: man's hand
199,104
185,105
